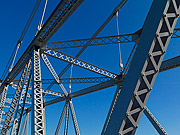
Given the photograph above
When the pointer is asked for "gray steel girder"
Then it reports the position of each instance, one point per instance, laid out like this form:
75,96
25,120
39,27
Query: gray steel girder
60,14
108,40
117,9
78,62
16,98
125,114
38,121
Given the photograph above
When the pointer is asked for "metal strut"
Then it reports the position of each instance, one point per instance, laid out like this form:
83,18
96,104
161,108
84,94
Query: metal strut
154,40
20,106
78,62
53,72
3,99
38,122
154,122
16,99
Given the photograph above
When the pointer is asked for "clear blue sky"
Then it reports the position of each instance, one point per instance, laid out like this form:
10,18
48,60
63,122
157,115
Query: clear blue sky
92,109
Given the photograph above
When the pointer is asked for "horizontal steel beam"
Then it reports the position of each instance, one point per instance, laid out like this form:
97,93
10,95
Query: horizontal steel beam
117,9
74,80
95,41
106,82
126,38
166,65
91,89
170,64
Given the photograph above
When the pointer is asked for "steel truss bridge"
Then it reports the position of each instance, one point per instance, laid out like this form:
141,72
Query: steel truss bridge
134,84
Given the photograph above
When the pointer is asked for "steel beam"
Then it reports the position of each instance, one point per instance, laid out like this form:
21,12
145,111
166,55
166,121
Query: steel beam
166,65
61,13
61,118
74,118
38,122
73,80
95,41
53,72
108,40
3,99
170,64
117,9
78,62
91,89
21,112
129,105
154,122
16,99
66,121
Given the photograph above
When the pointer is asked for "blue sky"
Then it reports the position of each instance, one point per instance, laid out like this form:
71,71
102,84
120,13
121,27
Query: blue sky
92,109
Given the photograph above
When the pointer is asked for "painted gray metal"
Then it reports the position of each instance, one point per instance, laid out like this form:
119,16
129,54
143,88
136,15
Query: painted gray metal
61,13
73,80
170,64
124,116
108,40
3,99
118,8
53,72
16,99
38,121
80,63
154,122
95,41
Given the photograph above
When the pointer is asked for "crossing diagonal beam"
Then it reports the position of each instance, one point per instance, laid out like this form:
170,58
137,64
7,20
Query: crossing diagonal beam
78,62
53,72
117,9
16,99
23,104
66,121
166,65
61,13
176,33
124,116
154,122
20,107
74,118
61,118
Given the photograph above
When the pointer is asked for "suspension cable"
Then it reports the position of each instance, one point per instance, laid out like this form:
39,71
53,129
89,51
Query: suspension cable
11,61
120,59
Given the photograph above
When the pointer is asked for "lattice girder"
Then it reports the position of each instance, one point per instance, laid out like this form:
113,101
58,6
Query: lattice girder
38,122
129,104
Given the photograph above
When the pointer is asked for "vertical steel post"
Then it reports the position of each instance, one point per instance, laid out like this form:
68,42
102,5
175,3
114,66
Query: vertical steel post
38,122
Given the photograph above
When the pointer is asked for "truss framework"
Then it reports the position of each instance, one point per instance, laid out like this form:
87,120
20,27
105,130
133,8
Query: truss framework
16,99
108,40
80,63
157,39
38,122
139,91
